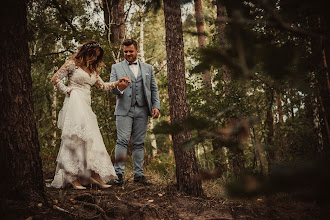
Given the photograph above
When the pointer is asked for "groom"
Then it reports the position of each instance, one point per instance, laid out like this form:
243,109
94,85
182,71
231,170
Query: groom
139,100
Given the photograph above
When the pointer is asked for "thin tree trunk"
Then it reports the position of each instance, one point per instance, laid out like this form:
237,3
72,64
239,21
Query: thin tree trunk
186,164
269,127
221,17
114,18
281,123
141,52
141,49
106,5
325,84
20,164
201,39
258,151
217,144
238,157
319,66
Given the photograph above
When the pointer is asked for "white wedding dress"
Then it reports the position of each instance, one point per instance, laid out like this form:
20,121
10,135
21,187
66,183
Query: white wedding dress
82,148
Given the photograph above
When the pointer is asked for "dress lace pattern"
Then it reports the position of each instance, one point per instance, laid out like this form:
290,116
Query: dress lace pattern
82,148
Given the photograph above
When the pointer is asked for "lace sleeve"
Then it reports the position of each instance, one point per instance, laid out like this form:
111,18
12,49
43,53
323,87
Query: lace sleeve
64,71
102,85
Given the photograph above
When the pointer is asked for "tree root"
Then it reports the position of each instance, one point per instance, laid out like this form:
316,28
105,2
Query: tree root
85,198
95,207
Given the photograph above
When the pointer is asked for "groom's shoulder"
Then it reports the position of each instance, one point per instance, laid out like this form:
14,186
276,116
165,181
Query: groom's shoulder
146,65
116,64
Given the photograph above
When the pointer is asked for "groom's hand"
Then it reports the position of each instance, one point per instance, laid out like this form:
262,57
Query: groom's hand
124,83
155,113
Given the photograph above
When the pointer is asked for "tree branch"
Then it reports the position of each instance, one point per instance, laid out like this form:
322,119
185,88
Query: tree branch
61,11
53,53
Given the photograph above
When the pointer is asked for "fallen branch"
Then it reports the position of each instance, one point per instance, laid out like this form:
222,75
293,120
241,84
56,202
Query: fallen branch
134,190
63,210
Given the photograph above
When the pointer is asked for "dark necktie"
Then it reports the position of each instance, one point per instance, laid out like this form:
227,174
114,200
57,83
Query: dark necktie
132,63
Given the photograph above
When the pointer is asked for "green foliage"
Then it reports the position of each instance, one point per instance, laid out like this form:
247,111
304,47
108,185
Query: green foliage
164,164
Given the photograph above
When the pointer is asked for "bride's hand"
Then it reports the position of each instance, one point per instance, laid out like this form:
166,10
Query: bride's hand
126,79
123,83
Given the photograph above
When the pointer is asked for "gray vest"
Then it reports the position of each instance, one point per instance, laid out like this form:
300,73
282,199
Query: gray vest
138,96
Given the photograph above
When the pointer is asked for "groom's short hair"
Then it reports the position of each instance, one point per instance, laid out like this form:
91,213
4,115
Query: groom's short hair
129,42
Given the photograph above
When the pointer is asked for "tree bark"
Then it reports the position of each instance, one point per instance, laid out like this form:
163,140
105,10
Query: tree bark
221,16
114,18
269,127
106,6
281,123
186,164
324,83
238,157
201,39
20,164
316,114
319,67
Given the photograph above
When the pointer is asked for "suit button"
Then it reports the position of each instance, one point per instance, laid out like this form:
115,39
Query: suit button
130,96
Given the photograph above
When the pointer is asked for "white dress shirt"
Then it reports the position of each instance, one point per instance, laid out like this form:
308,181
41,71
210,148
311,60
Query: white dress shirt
135,68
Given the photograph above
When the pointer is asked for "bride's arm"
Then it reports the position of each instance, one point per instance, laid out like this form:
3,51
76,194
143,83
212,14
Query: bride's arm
105,86
64,71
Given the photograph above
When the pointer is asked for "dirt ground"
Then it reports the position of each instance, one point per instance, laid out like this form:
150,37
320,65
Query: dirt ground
133,201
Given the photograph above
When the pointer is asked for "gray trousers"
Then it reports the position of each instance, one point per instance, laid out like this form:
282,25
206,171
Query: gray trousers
135,124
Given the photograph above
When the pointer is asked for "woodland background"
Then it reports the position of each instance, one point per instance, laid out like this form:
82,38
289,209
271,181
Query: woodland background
244,90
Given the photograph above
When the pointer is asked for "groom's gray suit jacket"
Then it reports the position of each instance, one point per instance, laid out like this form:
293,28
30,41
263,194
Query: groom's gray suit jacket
150,89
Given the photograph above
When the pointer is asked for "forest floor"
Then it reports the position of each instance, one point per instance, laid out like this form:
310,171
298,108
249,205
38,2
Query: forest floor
159,201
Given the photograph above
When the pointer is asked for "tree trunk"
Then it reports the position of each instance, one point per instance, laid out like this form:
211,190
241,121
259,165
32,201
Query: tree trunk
20,165
201,39
281,123
269,127
114,18
186,164
106,5
324,84
238,157
319,67
221,17
316,115
141,52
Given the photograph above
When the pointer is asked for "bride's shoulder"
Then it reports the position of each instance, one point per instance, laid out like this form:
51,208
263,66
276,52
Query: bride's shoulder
71,64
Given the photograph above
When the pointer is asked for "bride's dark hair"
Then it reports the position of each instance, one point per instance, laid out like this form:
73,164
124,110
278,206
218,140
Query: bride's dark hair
88,50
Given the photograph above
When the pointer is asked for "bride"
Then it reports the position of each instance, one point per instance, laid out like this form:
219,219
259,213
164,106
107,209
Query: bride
82,158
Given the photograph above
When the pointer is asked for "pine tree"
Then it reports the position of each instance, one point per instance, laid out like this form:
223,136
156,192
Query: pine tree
20,165
186,164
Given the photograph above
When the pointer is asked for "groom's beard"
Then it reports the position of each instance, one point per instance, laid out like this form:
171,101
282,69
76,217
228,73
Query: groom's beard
131,58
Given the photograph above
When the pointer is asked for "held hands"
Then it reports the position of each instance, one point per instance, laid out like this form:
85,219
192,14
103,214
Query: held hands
123,83
155,113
